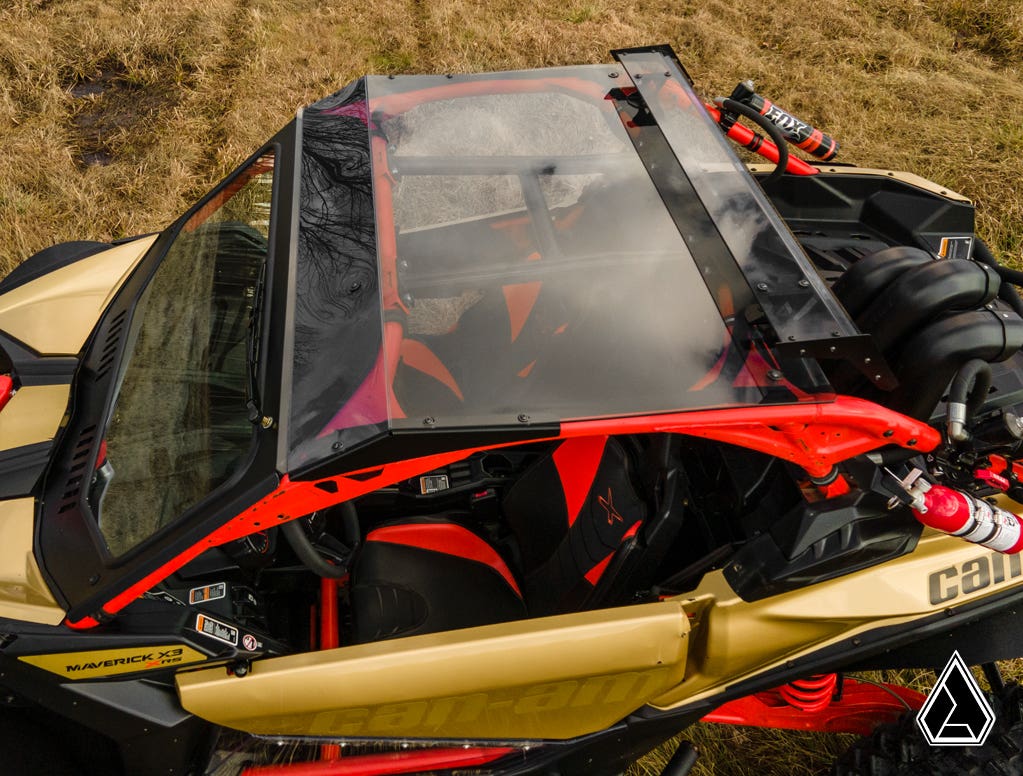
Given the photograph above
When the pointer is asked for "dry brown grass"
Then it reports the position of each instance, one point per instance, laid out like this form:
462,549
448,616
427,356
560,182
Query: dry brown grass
115,115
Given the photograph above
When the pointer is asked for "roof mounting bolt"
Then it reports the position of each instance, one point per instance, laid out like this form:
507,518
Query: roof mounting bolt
774,374
523,418
266,422
612,75
761,286
804,283
429,421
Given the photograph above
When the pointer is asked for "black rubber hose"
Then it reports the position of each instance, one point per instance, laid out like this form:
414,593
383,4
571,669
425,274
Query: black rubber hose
350,524
733,106
971,385
1008,294
311,559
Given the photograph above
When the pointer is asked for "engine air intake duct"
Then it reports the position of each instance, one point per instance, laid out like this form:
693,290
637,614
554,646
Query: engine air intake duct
869,276
924,292
930,359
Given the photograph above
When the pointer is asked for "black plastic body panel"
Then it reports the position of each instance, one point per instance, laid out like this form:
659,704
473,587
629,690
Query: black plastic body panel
816,542
858,208
71,552
21,467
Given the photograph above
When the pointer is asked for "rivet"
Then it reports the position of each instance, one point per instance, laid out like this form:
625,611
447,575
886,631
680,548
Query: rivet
911,442
889,433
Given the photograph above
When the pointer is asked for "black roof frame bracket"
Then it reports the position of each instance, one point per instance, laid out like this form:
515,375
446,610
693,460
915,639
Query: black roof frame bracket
807,319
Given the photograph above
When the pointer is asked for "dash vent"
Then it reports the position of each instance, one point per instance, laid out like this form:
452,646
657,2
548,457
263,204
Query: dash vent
76,472
107,355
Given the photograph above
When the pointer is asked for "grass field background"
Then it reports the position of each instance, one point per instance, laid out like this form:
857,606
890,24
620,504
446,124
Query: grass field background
116,116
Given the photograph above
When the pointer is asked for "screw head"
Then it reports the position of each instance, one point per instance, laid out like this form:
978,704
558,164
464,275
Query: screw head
429,421
804,283
523,418
761,286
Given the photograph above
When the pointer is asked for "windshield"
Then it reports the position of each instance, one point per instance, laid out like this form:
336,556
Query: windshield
179,425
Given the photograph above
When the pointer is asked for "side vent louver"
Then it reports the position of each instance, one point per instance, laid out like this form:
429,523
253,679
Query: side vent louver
79,459
106,356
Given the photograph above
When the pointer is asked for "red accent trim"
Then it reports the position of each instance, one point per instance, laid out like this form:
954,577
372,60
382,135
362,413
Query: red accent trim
524,372
416,355
811,435
576,461
993,479
369,404
392,104
594,574
520,298
6,390
862,708
84,623
393,763
837,488
744,135
449,539
330,636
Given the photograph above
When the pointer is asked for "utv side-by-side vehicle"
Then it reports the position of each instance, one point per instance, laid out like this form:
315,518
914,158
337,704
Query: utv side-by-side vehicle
506,424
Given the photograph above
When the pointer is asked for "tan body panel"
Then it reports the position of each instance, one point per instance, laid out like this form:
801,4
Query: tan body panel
95,663
554,677
54,314
33,415
732,640
23,593
904,177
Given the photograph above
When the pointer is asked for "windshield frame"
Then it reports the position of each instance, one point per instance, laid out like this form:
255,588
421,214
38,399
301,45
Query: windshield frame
72,553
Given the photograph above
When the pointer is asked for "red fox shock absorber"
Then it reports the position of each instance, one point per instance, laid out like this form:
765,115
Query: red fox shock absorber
796,131
960,514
